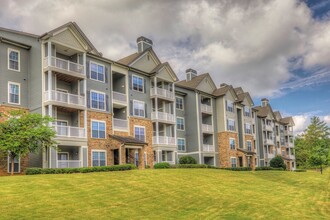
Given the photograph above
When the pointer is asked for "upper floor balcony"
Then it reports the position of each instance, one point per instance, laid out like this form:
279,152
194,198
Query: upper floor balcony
208,148
267,127
206,108
163,117
119,99
68,131
206,128
268,141
269,155
163,140
288,132
120,124
291,157
65,99
162,93
64,66
289,144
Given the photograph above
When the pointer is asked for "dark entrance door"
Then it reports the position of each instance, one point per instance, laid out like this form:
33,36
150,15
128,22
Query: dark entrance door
116,157
240,161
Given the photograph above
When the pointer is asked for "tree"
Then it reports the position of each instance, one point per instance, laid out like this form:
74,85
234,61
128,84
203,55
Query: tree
23,133
277,162
313,147
301,151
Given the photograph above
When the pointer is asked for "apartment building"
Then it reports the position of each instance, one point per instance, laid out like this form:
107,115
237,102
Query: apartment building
134,110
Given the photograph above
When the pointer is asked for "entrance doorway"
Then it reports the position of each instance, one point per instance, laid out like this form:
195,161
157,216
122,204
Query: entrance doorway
116,157
240,161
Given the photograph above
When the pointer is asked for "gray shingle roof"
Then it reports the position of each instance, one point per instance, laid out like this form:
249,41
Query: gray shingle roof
193,83
128,140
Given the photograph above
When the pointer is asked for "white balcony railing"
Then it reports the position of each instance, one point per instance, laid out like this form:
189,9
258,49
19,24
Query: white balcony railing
269,141
292,157
120,124
208,148
269,155
67,131
65,98
206,108
119,97
163,140
64,65
68,163
163,93
207,128
163,116
287,132
267,127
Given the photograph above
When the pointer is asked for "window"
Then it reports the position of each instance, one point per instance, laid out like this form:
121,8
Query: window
138,108
98,100
247,111
230,106
232,143
17,167
249,145
179,103
248,128
13,59
181,144
13,93
98,129
138,84
139,133
230,125
98,158
97,72
180,123
233,161
167,156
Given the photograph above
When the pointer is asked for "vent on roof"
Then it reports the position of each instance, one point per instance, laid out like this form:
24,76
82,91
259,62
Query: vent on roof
264,102
190,73
223,85
143,43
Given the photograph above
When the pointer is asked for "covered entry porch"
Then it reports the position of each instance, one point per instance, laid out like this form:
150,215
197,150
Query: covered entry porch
127,150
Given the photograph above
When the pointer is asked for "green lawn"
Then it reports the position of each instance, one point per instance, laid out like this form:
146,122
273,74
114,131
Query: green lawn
167,194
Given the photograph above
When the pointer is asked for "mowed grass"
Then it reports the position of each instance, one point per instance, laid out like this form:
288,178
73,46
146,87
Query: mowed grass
167,194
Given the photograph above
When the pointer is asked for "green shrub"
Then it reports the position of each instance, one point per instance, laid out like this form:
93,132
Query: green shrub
190,166
187,160
268,168
238,168
300,170
162,165
34,171
277,162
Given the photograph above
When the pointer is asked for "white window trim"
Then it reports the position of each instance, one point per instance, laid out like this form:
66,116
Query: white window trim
248,145
227,127
232,163
182,103
184,124
19,95
143,86
105,128
234,143
63,152
139,126
98,151
105,100
184,144
90,71
144,108
9,164
19,59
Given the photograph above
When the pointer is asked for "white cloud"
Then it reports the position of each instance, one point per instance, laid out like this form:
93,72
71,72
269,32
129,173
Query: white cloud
303,120
245,43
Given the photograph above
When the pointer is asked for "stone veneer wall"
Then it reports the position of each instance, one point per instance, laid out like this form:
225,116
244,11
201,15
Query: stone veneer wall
147,123
96,143
224,148
251,138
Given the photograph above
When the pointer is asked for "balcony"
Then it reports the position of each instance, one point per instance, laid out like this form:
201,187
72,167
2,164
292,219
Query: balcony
268,141
206,108
291,157
288,133
65,99
269,155
289,144
162,93
68,163
163,140
120,124
163,117
267,127
208,148
207,128
64,66
119,98
67,131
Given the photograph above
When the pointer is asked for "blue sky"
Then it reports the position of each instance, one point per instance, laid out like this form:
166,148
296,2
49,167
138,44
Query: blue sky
278,49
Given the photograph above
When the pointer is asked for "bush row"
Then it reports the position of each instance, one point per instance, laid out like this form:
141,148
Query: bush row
237,168
190,166
300,170
168,166
34,171
268,168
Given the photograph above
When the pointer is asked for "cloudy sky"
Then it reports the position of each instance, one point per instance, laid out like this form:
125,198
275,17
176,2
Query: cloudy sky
276,49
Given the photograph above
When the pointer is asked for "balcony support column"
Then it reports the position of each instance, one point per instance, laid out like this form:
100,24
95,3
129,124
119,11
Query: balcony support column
156,108
174,113
49,50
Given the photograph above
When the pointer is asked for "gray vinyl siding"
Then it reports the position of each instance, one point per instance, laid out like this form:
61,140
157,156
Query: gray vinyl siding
98,86
140,96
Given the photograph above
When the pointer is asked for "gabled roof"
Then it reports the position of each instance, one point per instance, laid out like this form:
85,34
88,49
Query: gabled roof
128,60
128,140
160,66
287,120
244,95
239,90
19,32
278,115
73,26
263,111
224,89
194,82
